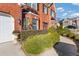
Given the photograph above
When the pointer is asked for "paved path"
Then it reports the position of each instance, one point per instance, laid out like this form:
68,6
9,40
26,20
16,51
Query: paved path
10,49
67,40
66,47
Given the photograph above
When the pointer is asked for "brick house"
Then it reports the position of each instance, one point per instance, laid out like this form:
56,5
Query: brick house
37,16
10,17
15,17
14,10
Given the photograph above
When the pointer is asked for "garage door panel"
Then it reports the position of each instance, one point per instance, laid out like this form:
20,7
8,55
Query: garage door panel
6,28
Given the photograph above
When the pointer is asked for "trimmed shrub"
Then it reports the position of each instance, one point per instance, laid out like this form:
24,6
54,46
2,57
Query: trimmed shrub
33,45
25,34
38,43
77,37
54,35
63,31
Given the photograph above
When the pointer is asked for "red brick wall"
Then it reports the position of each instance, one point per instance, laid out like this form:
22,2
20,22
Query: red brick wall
42,17
14,10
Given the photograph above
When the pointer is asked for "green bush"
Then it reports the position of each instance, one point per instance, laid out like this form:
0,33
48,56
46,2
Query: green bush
33,45
63,31
66,32
54,35
25,34
77,37
59,30
51,29
71,35
38,43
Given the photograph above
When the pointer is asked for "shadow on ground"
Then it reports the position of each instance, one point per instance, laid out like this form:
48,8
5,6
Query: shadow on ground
77,43
65,49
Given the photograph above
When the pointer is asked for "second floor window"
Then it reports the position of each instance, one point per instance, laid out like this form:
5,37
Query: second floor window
34,5
29,4
45,9
51,13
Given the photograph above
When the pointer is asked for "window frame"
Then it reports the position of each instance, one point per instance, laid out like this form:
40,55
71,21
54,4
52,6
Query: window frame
51,12
26,23
45,11
35,25
34,6
29,4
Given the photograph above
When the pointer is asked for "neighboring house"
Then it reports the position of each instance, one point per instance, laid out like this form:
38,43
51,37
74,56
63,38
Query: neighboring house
71,22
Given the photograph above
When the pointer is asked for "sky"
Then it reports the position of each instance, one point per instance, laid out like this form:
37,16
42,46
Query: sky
67,10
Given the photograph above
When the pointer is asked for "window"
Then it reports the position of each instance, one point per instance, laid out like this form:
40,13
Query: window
25,23
34,5
35,24
29,4
45,9
51,13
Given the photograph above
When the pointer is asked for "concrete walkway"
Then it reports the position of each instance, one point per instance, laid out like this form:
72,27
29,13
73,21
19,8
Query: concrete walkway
66,47
67,40
10,49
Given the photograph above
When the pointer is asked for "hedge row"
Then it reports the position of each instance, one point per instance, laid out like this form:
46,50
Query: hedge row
25,34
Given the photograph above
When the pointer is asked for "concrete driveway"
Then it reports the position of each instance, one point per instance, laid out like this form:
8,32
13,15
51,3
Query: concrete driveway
10,49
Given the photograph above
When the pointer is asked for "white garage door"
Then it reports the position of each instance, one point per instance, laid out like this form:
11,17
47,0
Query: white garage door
6,27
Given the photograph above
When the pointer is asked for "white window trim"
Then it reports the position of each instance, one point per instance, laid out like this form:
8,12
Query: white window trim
51,13
36,25
33,7
45,11
33,13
